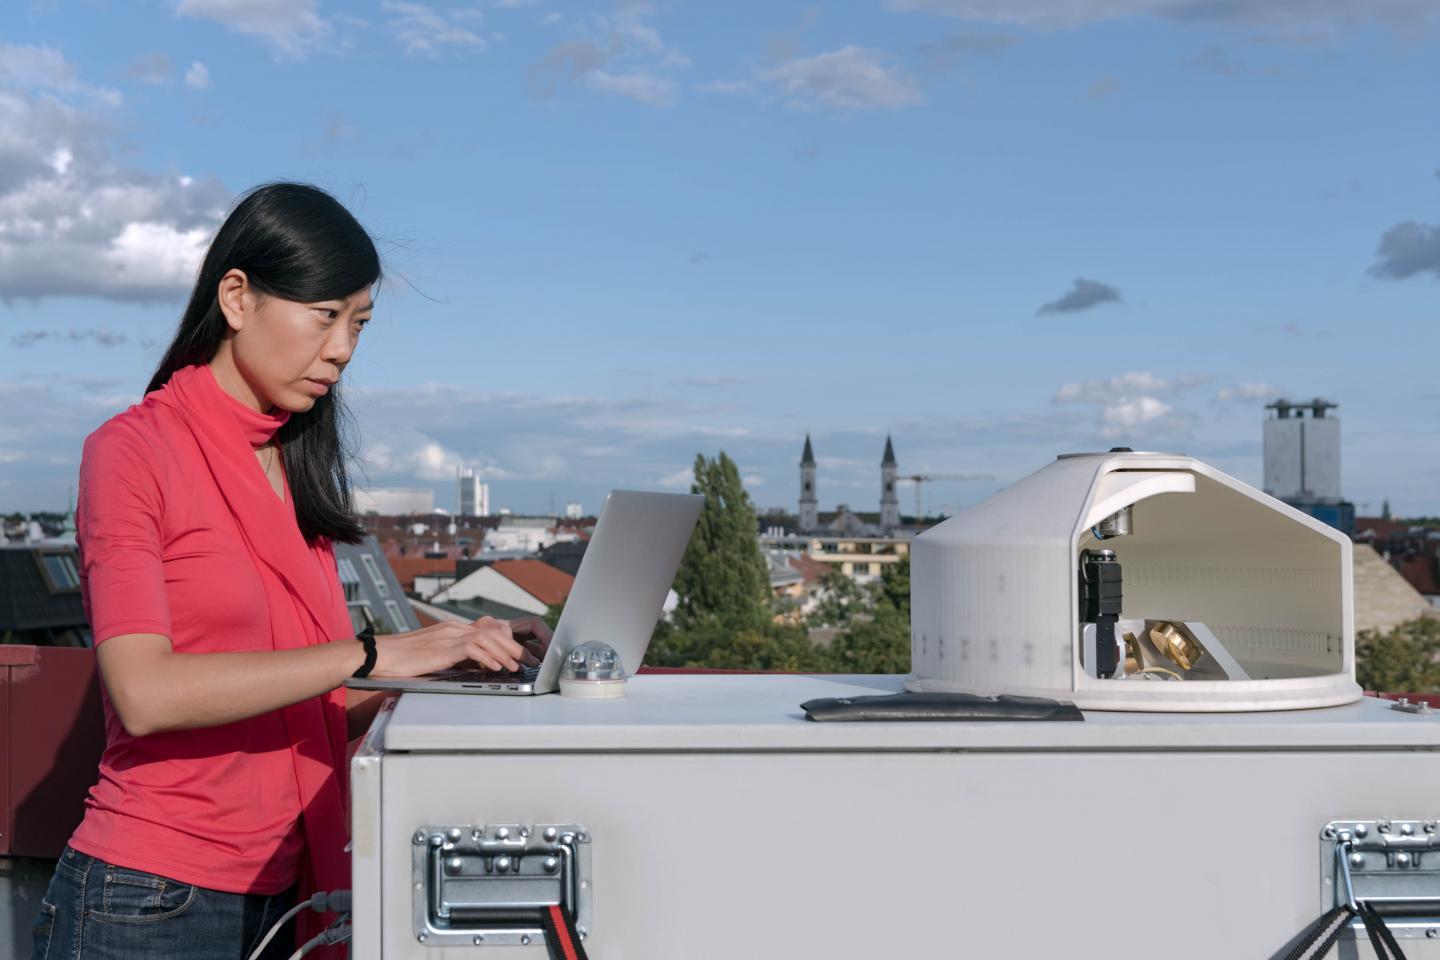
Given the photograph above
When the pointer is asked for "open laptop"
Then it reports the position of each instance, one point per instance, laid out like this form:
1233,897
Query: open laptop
617,596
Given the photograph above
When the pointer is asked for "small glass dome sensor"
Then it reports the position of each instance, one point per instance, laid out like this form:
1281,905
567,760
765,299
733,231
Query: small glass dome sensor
593,670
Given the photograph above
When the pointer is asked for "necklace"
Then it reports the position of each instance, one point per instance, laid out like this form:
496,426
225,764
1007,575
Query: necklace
270,461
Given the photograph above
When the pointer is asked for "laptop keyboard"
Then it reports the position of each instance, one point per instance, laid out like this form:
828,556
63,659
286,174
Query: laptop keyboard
523,675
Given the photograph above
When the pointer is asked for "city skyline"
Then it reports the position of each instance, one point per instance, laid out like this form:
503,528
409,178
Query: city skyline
621,235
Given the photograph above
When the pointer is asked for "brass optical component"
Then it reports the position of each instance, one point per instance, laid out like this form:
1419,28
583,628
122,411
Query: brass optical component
1174,644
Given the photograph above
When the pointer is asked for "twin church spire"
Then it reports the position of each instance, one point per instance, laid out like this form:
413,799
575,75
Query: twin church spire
889,499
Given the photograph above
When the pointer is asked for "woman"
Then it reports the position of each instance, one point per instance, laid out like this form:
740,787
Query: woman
205,523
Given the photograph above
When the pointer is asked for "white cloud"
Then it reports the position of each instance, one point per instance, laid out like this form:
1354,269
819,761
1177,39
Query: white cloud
1248,392
851,78
1292,14
677,479
620,54
1135,405
100,337
72,221
290,28
45,70
1098,391
642,87
198,76
425,32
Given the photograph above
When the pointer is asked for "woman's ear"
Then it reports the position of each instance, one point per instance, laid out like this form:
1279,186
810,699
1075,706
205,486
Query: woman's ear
232,295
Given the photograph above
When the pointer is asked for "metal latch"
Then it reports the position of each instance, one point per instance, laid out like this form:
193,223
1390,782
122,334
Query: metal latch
488,885
1394,865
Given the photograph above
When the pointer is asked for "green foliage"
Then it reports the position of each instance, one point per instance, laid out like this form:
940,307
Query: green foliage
726,619
879,644
551,616
895,585
723,578
1405,660
839,601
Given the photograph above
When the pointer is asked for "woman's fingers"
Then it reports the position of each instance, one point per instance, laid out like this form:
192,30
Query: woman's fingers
497,640
535,635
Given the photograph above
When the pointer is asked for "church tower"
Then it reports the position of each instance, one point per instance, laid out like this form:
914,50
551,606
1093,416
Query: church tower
809,507
889,499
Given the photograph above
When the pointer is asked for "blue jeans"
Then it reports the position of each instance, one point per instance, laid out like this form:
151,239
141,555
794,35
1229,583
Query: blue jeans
99,911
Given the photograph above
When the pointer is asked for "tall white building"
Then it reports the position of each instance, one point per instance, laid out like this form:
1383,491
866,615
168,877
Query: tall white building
1302,452
474,495
574,510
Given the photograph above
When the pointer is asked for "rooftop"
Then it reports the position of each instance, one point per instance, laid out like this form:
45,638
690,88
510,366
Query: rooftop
537,578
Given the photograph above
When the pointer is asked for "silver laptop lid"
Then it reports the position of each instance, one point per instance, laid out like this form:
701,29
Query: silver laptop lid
624,577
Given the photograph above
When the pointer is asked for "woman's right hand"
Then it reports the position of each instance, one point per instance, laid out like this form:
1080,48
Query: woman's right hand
488,641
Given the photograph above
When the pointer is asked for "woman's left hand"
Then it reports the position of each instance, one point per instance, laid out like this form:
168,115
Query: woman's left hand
534,634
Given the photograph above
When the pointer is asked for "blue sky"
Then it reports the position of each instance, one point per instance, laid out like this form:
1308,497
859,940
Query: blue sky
622,234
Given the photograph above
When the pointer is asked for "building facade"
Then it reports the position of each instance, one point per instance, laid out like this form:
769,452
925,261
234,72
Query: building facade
474,498
1302,460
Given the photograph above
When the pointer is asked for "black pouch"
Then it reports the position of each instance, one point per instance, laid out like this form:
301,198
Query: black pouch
939,706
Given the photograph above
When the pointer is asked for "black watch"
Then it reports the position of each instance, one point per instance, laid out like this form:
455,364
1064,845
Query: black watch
367,637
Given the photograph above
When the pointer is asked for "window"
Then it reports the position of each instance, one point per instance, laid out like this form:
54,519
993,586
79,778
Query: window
360,617
61,574
397,622
862,569
371,568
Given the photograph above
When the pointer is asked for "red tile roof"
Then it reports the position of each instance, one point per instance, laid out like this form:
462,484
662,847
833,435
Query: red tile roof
410,566
811,570
537,578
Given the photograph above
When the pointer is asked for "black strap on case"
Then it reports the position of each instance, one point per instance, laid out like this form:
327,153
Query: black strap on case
939,706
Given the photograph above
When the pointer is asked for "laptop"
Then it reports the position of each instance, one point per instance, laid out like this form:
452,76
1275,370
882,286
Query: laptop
617,597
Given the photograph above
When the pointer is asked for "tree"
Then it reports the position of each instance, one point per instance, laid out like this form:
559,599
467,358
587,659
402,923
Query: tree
879,642
723,577
1405,660
838,601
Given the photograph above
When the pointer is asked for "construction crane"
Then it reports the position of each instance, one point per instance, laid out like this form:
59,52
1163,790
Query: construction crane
920,479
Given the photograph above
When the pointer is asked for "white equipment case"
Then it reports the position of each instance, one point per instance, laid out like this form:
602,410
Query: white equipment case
1211,805
718,823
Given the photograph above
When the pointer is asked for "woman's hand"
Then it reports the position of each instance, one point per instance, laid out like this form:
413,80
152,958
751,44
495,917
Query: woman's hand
535,634
488,642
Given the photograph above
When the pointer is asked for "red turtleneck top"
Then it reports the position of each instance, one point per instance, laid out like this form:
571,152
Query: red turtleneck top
161,552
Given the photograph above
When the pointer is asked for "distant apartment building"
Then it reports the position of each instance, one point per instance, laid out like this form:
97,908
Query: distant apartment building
395,501
474,498
525,535
857,556
373,593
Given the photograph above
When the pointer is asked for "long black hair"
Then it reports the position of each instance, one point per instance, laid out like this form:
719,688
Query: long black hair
296,242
